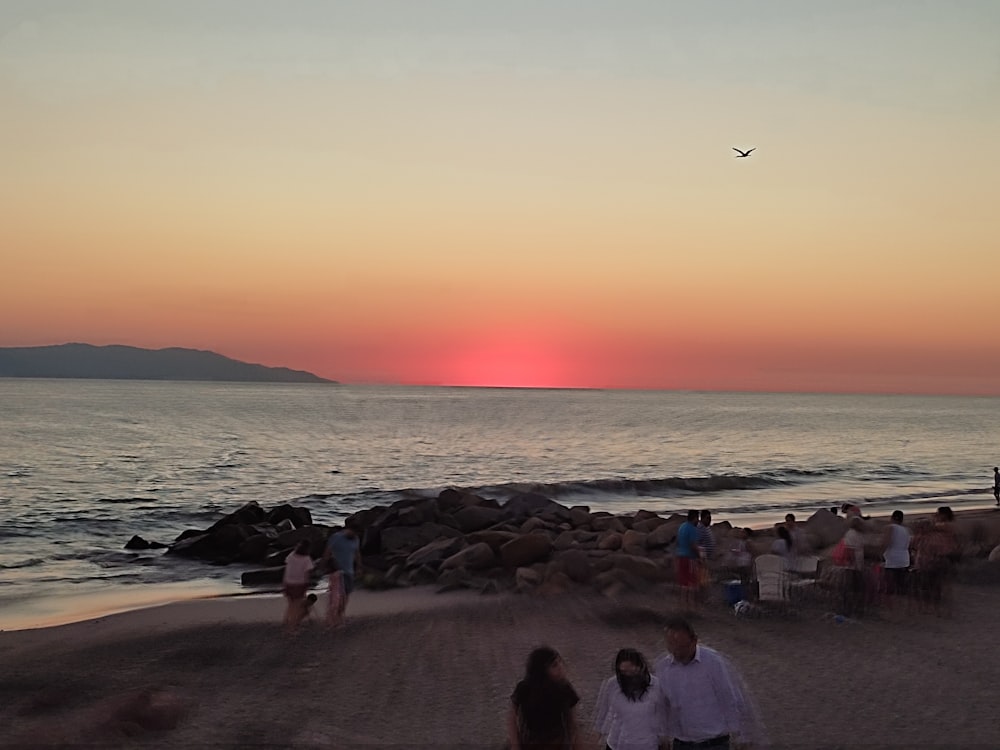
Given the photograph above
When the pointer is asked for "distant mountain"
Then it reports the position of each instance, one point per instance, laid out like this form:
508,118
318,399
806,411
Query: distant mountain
132,363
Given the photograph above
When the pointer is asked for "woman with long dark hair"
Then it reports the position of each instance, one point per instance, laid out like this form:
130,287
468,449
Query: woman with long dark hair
542,713
630,712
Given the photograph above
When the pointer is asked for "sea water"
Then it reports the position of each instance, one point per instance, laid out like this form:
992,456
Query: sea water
84,465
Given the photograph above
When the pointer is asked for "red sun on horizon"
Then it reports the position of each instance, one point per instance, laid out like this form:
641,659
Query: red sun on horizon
510,361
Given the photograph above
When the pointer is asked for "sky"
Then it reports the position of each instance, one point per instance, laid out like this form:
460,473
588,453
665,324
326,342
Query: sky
519,193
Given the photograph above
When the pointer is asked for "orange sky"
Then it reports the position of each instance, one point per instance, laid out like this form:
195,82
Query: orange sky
544,196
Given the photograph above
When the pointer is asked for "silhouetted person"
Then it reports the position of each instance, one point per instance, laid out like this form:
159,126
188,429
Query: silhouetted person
543,706
996,484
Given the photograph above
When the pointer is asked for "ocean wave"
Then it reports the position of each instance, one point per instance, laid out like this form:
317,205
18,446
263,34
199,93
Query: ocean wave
126,499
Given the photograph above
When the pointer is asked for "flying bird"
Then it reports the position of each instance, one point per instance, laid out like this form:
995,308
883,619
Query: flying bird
744,154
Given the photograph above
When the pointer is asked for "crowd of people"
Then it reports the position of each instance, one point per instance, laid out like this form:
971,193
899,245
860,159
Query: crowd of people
899,566
692,697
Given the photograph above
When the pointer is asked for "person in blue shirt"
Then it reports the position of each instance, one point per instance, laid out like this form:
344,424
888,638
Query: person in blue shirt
686,556
342,559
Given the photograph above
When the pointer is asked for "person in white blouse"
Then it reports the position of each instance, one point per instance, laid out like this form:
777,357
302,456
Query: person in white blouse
708,704
630,713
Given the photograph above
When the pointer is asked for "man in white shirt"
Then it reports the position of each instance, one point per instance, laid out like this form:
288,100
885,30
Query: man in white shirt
708,705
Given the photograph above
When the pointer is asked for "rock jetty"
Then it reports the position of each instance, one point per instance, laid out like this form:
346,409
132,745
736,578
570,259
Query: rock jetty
461,540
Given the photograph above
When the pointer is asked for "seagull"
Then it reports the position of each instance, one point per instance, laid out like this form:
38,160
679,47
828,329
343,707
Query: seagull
744,154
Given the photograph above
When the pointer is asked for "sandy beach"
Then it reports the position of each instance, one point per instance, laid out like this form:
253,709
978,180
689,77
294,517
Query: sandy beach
416,669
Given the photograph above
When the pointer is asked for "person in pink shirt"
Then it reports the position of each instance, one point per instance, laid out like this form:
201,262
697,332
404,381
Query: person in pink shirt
295,583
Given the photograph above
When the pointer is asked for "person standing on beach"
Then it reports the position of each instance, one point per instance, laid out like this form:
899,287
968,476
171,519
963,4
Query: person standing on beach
800,542
542,712
295,583
996,484
896,554
342,559
630,712
686,559
708,705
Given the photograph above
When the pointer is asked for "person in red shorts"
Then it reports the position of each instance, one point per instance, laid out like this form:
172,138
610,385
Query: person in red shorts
686,556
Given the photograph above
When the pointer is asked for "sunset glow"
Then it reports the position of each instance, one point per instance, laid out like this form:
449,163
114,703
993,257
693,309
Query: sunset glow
534,195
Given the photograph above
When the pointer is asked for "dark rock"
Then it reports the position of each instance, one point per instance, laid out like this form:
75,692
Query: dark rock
254,549
473,557
525,550
434,553
476,518
535,523
137,542
641,567
495,538
298,516
410,538
610,540
607,523
663,535
527,504
249,514
648,524
575,564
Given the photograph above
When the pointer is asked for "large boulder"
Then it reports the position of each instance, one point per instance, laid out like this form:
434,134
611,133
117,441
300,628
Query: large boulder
646,525
249,514
493,537
641,567
473,557
476,518
634,542
824,528
298,516
535,523
579,516
529,504
610,540
526,549
414,515
575,564
435,552
565,540
607,523
410,538
254,549
526,579
994,554
662,535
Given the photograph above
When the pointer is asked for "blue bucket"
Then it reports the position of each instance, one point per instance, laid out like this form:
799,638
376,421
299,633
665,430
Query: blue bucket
734,592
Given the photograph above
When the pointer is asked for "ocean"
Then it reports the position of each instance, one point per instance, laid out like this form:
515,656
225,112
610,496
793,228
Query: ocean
84,465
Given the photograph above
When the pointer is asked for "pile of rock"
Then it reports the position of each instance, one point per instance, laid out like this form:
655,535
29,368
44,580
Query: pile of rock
247,535
461,540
